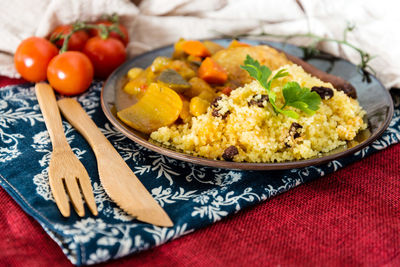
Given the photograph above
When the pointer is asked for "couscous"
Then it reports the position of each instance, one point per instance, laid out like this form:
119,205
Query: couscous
260,135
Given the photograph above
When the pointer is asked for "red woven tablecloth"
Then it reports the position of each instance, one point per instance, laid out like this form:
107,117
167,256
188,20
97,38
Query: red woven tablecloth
351,217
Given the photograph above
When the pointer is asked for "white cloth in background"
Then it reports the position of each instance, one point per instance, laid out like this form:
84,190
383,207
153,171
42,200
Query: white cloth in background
154,23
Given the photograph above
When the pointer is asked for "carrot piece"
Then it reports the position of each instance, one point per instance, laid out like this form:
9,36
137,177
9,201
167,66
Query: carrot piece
195,48
236,43
211,72
226,90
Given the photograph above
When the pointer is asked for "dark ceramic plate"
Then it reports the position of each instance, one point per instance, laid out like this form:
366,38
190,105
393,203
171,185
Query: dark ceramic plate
373,97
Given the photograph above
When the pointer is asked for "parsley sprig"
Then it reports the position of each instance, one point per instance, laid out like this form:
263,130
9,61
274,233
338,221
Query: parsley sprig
294,95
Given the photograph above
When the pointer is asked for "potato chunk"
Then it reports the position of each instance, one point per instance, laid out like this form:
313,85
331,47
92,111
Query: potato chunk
213,47
134,72
232,58
197,86
198,106
160,106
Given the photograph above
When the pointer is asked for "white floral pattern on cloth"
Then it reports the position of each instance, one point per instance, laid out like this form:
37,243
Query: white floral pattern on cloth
193,196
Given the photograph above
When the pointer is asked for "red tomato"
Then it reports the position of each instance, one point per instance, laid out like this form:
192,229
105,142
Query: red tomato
70,73
32,57
125,40
77,40
105,54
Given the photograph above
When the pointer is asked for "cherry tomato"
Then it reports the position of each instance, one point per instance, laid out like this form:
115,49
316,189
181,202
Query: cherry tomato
32,57
70,73
77,40
125,40
105,54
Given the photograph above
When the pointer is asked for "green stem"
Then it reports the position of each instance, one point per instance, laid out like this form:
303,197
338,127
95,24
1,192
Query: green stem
66,41
104,32
115,28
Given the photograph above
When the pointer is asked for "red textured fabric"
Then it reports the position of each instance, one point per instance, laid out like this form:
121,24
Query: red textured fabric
8,81
348,218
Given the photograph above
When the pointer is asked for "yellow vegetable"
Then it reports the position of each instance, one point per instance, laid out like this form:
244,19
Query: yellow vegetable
133,87
159,64
150,75
197,86
160,106
194,59
134,72
182,68
198,106
207,95
178,49
213,47
185,112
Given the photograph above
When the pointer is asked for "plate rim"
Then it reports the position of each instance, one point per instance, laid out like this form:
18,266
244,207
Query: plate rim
231,164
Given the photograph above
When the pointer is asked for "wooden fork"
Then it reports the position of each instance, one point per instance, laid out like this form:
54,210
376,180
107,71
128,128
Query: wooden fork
65,167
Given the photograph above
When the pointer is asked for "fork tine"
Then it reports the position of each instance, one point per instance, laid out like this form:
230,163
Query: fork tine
57,188
87,192
75,195
63,162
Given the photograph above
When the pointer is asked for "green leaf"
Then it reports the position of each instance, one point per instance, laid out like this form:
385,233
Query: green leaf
313,100
251,61
302,106
290,113
258,72
272,101
281,73
290,92
298,104
252,70
294,95
265,73
301,98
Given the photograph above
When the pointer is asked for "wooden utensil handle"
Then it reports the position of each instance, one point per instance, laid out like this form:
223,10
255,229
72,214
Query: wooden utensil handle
78,117
48,106
118,180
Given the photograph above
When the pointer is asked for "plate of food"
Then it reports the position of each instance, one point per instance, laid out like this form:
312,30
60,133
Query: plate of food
251,105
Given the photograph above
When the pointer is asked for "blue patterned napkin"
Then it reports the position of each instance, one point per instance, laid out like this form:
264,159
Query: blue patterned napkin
193,196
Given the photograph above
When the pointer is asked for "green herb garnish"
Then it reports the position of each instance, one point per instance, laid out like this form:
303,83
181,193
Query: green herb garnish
294,95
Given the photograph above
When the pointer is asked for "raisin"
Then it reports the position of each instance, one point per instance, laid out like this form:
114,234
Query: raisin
230,153
259,101
348,89
214,103
216,113
295,130
223,116
288,141
324,92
